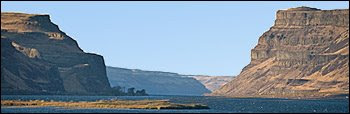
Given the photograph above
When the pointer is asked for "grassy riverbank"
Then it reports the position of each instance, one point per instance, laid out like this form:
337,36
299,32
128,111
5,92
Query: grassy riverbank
123,104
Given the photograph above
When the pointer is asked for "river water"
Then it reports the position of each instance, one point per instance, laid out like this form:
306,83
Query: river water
216,104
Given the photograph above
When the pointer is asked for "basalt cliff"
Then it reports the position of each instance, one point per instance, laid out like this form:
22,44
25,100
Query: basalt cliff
304,54
155,82
38,58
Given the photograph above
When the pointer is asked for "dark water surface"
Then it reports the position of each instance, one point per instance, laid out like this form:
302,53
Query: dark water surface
216,104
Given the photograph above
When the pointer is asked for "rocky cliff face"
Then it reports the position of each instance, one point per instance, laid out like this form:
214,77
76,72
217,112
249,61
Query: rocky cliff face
155,82
38,58
213,82
305,54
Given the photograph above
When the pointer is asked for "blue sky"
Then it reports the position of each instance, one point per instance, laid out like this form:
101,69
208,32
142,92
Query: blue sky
203,37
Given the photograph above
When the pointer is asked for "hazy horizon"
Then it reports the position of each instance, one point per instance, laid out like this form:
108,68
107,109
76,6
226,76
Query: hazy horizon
190,38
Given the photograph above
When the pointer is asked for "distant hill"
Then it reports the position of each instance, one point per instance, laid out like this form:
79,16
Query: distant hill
155,82
213,82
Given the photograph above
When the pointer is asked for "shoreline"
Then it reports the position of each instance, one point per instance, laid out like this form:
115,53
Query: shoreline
333,96
113,104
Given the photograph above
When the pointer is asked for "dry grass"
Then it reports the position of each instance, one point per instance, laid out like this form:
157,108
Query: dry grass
125,104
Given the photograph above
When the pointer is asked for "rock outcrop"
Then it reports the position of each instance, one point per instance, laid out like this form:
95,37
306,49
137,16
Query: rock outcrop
304,54
38,58
155,82
213,82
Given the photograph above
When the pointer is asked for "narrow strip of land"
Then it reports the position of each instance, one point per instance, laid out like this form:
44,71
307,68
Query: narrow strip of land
122,104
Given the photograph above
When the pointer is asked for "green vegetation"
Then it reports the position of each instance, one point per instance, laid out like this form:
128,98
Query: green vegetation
118,90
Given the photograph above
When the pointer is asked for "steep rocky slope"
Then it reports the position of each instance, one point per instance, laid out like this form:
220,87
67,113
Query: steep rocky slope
213,82
38,58
304,54
155,82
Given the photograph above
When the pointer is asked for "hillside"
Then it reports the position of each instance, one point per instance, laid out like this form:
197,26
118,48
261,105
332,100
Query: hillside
304,54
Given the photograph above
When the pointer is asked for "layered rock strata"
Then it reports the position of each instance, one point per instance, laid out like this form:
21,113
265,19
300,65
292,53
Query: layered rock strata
304,54
38,58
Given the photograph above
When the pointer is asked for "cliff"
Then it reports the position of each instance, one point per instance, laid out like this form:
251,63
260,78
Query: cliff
213,82
304,54
155,82
38,58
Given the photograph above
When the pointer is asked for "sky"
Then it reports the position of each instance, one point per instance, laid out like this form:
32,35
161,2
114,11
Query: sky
185,37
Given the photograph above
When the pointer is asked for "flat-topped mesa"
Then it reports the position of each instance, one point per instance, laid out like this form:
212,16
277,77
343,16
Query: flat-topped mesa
38,58
18,25
21,22
305,54
306,16
303,8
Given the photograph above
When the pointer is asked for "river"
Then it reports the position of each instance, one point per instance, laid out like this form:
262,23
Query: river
216,104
